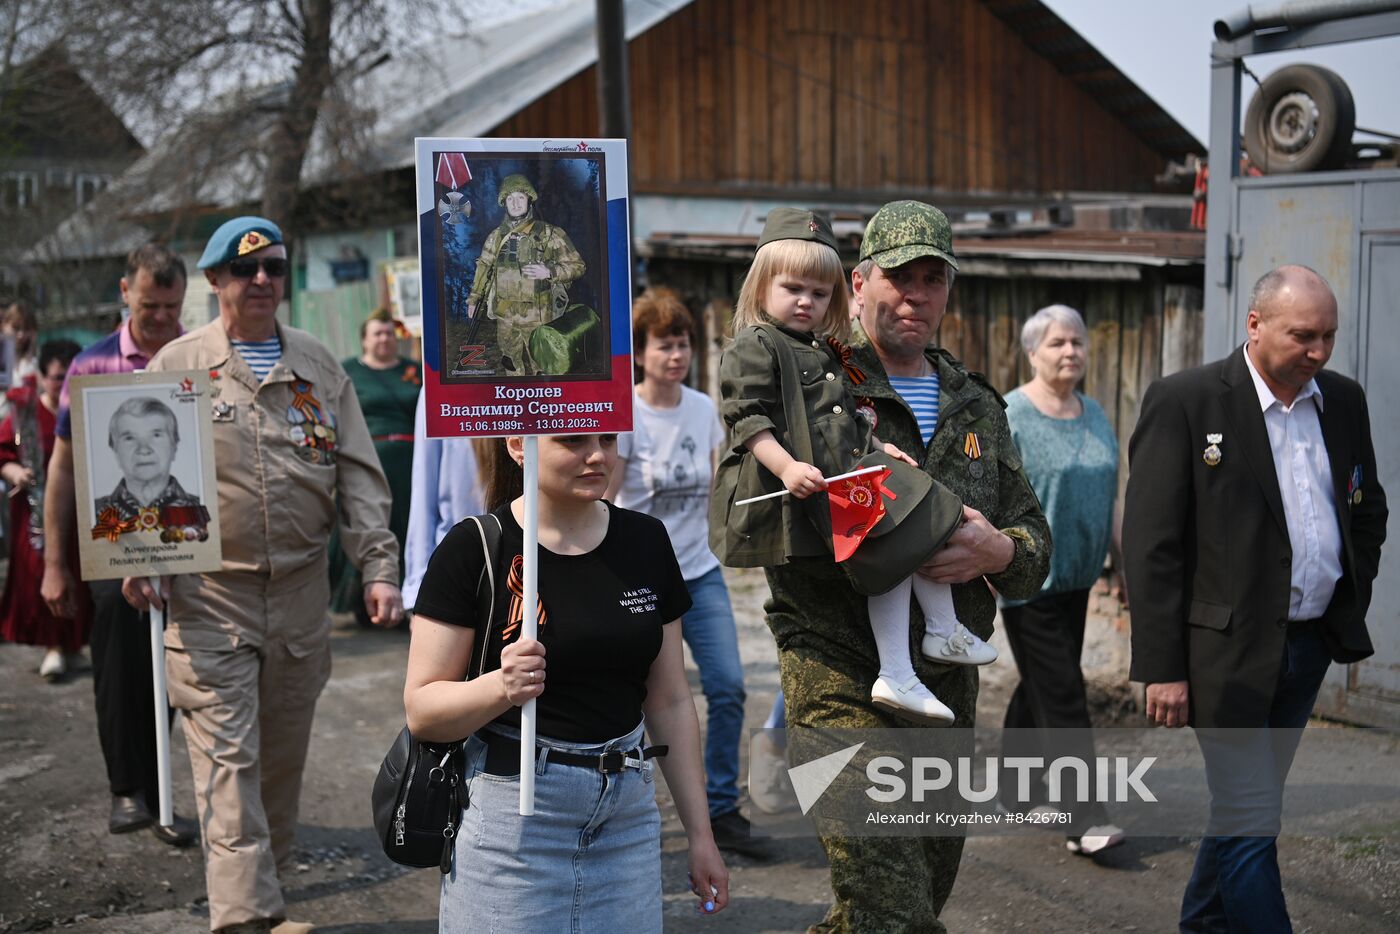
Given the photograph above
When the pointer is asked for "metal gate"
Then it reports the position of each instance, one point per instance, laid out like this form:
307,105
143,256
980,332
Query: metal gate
1346,225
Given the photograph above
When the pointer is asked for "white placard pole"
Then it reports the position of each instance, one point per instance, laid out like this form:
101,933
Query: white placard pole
529,628
162,706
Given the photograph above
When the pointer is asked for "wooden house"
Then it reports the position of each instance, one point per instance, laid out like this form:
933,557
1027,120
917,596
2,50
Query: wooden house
994,110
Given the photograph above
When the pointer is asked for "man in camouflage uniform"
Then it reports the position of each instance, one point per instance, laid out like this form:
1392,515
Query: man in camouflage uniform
827,654
523,274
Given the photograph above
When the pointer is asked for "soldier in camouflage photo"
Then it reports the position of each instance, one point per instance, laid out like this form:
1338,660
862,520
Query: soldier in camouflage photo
523,274
954,425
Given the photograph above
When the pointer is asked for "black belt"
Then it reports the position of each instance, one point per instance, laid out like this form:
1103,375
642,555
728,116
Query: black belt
1300,623
503,756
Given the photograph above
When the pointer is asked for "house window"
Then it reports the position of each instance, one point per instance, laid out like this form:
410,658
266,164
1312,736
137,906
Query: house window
20,189
86,187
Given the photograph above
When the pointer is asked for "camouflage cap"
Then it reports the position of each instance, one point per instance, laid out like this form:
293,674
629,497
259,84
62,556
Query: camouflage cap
796,224
514,183
903,231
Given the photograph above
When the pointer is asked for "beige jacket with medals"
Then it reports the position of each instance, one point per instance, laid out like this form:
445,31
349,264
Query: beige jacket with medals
283,451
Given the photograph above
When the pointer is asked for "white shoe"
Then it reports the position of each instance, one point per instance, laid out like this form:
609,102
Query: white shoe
770,789
52,667
1096,840
959,648
293,927
911,697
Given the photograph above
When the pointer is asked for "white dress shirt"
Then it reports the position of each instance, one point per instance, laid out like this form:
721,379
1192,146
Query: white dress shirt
446,489
1309,503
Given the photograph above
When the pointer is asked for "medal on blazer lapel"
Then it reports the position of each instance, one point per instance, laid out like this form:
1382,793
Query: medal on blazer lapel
1211,455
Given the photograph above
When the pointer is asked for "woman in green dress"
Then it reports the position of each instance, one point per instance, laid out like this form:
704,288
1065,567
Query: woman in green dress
387,386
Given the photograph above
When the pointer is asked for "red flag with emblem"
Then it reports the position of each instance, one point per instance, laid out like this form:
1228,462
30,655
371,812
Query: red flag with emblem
452,169
857,503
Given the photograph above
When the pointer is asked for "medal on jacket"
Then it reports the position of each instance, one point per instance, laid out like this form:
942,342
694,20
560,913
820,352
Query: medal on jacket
1354,486
312,426
972,448
1211,455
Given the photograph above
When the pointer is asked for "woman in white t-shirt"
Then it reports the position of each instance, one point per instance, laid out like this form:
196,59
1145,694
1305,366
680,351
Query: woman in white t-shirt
667,470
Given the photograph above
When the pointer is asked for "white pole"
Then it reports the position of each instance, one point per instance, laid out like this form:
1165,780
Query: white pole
529,628
162,705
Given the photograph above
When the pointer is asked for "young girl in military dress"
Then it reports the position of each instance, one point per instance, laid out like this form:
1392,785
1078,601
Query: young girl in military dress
797,285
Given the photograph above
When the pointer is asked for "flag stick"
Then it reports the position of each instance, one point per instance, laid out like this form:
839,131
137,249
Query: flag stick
162,705
529,628
841,476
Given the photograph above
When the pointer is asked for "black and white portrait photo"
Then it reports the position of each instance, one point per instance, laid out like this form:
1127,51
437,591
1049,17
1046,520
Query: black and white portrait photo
144,467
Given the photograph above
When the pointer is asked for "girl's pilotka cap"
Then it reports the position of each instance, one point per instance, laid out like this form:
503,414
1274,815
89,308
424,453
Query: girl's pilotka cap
796,224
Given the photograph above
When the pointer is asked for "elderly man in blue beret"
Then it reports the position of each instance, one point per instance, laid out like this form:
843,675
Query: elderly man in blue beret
248,646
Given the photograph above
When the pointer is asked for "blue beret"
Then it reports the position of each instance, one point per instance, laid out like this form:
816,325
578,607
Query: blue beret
239,237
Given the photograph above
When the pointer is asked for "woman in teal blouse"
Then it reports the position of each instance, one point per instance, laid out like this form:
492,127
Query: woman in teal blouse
1071,457
387,386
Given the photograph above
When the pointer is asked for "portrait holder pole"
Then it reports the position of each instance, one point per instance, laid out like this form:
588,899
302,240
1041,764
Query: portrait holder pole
529,628
162,706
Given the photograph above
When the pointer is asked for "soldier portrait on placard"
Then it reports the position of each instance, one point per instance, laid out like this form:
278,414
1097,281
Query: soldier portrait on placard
522,266
143,458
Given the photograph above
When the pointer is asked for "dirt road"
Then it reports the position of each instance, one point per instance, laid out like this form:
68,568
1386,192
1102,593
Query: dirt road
60,869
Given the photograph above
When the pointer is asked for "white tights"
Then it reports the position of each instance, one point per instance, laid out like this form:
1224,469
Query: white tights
889,620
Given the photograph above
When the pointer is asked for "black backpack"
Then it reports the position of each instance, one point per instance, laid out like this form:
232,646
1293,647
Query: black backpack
421,791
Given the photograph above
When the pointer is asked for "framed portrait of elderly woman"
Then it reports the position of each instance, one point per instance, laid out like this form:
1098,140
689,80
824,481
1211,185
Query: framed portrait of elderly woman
143,458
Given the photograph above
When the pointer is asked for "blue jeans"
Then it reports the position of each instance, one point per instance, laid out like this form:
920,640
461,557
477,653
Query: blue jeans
588,860
1235,885
708,628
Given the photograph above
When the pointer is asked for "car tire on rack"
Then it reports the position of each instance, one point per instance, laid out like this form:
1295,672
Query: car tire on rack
1299,120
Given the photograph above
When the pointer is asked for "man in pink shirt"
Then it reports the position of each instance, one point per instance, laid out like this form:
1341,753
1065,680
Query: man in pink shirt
154,291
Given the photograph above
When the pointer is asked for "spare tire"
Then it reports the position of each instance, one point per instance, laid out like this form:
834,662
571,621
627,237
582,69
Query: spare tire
1299,120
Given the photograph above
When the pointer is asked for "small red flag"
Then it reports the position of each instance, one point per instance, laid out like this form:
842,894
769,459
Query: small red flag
452,169
857,503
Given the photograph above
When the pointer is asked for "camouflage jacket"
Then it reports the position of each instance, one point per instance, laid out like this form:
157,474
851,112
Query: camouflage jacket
499,276
972,429
968,406
754,399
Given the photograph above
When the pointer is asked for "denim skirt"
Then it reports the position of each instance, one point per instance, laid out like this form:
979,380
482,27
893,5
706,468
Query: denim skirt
587,861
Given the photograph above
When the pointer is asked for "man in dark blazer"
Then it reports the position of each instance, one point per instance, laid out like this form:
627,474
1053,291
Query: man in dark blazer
1252,533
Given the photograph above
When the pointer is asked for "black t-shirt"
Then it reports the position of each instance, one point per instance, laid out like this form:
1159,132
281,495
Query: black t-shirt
604,612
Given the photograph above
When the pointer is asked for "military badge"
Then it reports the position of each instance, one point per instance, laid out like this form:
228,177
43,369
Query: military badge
1354,486
972,449
1211,455
252,240
312,426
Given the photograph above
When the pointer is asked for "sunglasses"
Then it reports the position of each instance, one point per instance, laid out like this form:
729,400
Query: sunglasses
275,267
